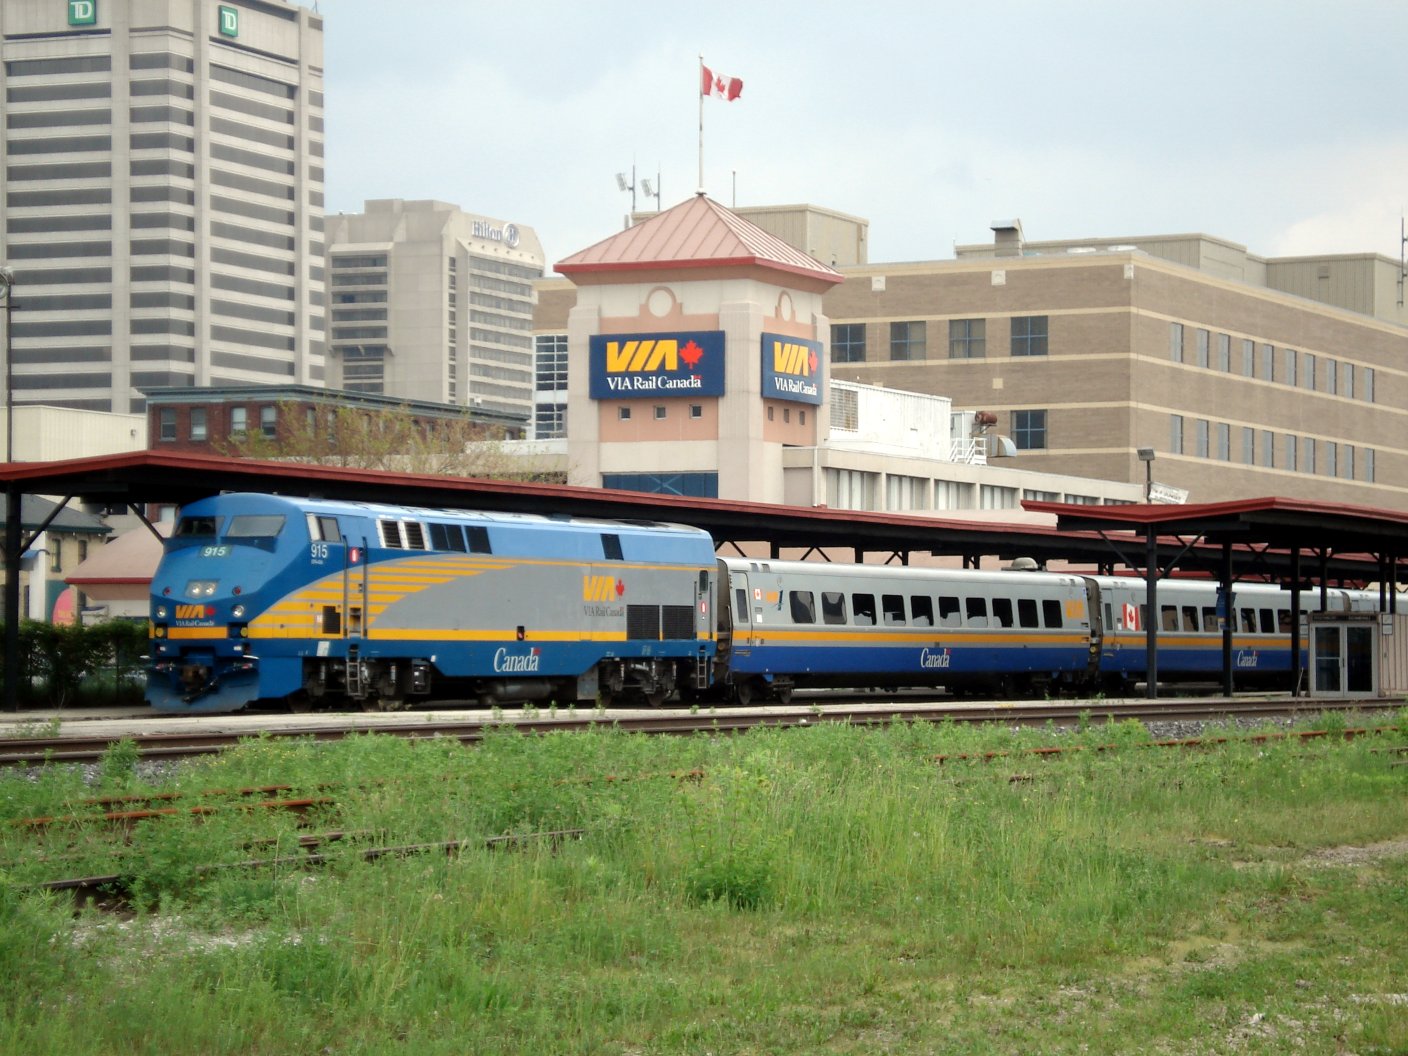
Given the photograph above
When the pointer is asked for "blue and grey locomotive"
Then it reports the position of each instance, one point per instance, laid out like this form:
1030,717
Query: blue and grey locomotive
300,601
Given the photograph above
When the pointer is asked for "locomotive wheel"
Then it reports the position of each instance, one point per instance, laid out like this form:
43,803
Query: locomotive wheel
784,694
743,692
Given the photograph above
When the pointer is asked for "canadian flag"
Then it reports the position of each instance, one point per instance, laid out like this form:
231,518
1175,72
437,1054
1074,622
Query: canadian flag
719,86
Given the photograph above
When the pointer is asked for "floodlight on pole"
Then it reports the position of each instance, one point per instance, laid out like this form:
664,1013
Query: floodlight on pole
1146,455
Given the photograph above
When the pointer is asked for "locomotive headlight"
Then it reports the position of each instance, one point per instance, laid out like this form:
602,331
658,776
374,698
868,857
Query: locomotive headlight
161,612
201,588
237,612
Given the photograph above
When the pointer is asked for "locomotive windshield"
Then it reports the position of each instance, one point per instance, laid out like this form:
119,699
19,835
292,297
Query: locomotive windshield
255,526
197,526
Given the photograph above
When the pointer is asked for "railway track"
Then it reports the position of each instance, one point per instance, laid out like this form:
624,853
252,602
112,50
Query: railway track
155,746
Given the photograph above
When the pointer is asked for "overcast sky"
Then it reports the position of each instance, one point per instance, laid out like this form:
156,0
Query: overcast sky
1278,124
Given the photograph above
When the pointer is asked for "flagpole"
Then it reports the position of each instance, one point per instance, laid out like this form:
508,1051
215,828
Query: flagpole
699,87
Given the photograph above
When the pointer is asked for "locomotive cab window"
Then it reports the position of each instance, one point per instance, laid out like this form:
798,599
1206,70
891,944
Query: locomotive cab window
863,606
611,546
803,606
477,536
893,607
1051,613
323,529
196,526
833,606
255,526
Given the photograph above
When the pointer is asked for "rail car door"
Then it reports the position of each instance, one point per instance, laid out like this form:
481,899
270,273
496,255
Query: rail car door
355,570
743,633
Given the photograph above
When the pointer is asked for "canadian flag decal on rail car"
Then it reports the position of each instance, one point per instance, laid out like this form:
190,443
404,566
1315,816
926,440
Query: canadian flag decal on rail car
1129,616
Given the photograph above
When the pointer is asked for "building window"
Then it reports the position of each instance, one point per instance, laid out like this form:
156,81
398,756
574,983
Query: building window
1331,451
1291,454
1029,430
1289,359
198,425
1347,462
696,410
1175,434
848,343
1029,335
967,338
549,420
239,421
1268,449
1307,371
166,423
1201,450
1224,352
1307,454
623,414
1249,446
694,485
1267,371
1224,442
1369,465
550,362
1203,338
659,412
1347,380
907,341
1175,342
1332,373
1248,358
269,421
1366,384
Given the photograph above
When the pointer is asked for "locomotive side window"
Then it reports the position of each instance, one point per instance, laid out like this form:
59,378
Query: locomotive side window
863,606
1210,618
740,604
975,612
323,529
921,610
1168,617
1190,617
255,526
1248,621
949,612
1051,613
1002,612
892,605
1026,612
477,536
803,607
833,606
611,546
1268,621
1283,620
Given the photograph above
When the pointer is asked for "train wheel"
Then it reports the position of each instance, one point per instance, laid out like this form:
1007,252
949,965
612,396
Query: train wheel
743,692
784,694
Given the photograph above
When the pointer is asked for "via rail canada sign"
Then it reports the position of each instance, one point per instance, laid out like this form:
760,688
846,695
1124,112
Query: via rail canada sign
623,366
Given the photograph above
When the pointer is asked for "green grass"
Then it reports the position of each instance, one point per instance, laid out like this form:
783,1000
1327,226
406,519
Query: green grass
827,890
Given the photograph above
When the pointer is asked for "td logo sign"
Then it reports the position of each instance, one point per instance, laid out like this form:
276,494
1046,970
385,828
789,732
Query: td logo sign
229,21
82,12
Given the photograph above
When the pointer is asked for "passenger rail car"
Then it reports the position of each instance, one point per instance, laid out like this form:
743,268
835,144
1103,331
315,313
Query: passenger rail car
269,598
798,624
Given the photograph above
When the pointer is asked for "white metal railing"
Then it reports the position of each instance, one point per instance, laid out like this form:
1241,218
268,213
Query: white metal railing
972,451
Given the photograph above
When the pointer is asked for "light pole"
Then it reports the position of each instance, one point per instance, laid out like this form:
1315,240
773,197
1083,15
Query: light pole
1146,455
7,288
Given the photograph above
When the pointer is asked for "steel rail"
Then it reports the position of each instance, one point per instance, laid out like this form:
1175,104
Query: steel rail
37,751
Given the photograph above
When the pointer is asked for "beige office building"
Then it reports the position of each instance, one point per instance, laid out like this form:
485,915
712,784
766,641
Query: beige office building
429,302
1245,376
163,196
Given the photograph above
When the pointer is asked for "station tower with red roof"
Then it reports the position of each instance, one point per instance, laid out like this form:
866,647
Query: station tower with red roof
697,353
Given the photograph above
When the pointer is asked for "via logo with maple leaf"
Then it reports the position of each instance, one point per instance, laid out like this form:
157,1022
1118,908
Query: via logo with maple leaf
672,364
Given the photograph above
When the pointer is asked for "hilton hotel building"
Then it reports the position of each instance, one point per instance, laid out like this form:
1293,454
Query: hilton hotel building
162,196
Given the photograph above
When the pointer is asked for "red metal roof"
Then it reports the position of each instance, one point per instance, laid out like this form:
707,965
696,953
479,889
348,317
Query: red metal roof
697,233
